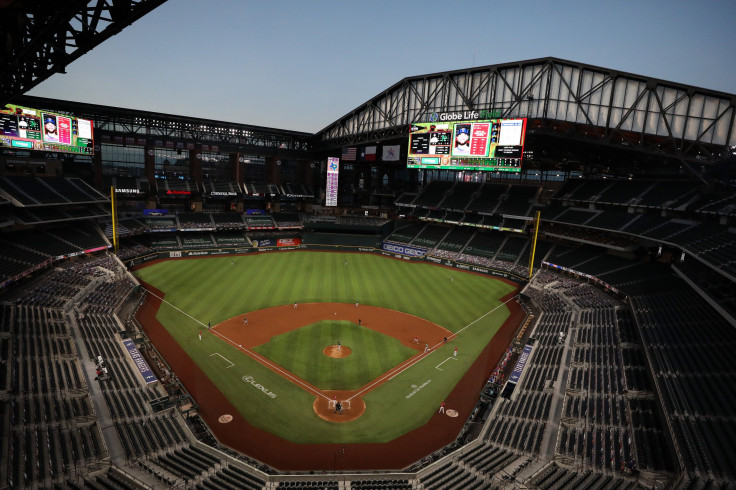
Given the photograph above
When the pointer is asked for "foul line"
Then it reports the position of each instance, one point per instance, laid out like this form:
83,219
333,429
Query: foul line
288,375
392,375
228,360
270,365
177,309
253,355
438,365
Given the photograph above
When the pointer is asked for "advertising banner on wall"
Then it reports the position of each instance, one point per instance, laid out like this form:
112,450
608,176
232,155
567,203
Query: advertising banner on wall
288,242
403,249
519,368
264,242
140,362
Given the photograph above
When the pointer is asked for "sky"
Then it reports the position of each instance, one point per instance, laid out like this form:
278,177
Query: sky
300,65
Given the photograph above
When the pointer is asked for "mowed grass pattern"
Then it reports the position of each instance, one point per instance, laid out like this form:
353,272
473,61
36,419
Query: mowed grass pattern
301,352
212,290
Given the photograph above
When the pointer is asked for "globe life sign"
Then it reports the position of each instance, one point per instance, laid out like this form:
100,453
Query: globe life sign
464,115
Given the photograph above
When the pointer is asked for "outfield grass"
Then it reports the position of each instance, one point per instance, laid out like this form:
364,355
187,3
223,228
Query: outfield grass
300,352
212,290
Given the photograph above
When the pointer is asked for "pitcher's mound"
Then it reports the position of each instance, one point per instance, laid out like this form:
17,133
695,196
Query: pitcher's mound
332,351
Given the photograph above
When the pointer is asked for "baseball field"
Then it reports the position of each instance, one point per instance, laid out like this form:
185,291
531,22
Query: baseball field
284,335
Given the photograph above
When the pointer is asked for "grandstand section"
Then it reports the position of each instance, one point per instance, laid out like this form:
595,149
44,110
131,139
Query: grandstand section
517,201
488,198
455,240
616,372
228,220
485,244
260,222
460,196
606,385
43,191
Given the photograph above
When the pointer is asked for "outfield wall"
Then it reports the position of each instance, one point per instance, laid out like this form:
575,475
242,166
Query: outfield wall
476,268
397,251
401,453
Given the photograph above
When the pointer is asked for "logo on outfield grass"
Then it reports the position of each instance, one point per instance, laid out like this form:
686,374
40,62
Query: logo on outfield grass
417,388
249,379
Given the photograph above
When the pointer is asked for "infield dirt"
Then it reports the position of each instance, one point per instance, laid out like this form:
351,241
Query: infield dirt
284,455
336,352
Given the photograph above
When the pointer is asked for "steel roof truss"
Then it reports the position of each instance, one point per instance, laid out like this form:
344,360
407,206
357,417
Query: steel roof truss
575,98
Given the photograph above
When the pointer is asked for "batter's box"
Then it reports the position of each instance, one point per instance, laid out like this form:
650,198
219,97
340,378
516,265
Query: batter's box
333,403
225,358
438,365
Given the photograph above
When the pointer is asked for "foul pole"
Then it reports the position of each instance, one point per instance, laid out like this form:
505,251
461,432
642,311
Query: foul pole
114,220
537,220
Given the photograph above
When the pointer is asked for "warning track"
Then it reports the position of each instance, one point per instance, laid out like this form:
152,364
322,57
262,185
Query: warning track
261,445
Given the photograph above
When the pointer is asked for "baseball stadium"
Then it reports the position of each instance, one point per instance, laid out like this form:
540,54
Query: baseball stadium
516,275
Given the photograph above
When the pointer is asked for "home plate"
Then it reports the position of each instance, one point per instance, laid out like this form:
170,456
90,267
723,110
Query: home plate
450,413
224,419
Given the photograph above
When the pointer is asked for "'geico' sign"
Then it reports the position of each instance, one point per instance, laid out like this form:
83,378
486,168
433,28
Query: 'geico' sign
404,250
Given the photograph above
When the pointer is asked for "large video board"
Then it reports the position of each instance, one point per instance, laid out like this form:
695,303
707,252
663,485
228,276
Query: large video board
454,141
333,174
34,129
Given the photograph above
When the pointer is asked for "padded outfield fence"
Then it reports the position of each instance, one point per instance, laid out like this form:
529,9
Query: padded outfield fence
389,249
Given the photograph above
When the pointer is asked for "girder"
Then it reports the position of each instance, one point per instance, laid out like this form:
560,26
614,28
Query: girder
41,38
652,115
114,121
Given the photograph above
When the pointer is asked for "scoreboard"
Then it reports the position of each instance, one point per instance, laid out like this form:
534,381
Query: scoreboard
24,128
333,174
484,144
